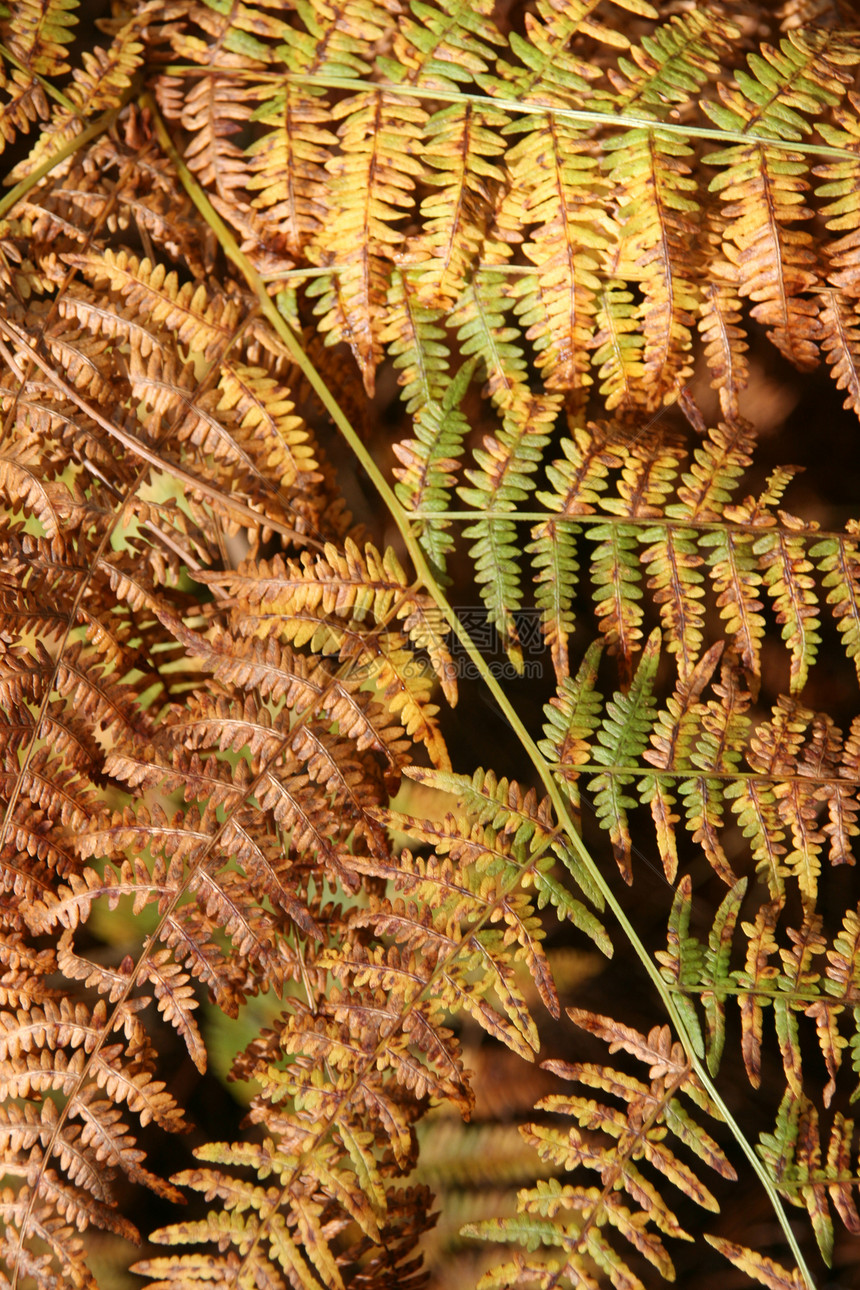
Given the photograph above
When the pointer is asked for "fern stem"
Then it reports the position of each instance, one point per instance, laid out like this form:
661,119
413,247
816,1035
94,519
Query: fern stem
670,524
524,108
99,126
425,575
696,772
50,89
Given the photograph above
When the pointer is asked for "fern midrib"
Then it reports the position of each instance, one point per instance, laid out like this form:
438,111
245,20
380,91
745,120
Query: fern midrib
799,997
764,778
669,278
783,85
776,230
669,523
462,193
518,107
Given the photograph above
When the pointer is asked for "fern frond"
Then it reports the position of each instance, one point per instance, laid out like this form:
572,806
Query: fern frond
765,187
391,1011
616,578
674,734
577,481
737,582
757,988
508,459
373,178
555,192
718,466
213,681
658,214
39,34
553,72
35,36
576,1221
793,1151
724,341
151,290
838,560
103,83
572,719
300,603
786,569
502,805
839,982
758,1266
430,466
430,461
479,891
461,144
442,50
249,1218
702,972
673,563
619,350
506,463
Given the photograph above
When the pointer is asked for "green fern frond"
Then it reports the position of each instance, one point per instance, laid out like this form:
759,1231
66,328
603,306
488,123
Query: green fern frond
616,578
519,828
577,480
673,736
620,740
508,459
793,1151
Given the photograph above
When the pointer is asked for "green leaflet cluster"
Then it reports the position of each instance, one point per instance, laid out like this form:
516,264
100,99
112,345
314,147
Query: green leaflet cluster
808,978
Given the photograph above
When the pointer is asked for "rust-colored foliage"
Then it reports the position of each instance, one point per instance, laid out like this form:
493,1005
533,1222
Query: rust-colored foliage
529,257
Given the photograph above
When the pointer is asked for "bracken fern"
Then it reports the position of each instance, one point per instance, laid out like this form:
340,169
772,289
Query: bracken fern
568,234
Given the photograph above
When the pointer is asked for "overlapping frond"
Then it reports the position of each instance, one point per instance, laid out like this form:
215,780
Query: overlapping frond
764,187
345,1073
213,683
570,1231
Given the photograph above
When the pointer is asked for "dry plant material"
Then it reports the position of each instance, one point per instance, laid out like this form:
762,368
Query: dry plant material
548,226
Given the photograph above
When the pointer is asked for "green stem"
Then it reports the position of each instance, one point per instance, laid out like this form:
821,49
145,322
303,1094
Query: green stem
101,123
590,871
522,107
51,90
